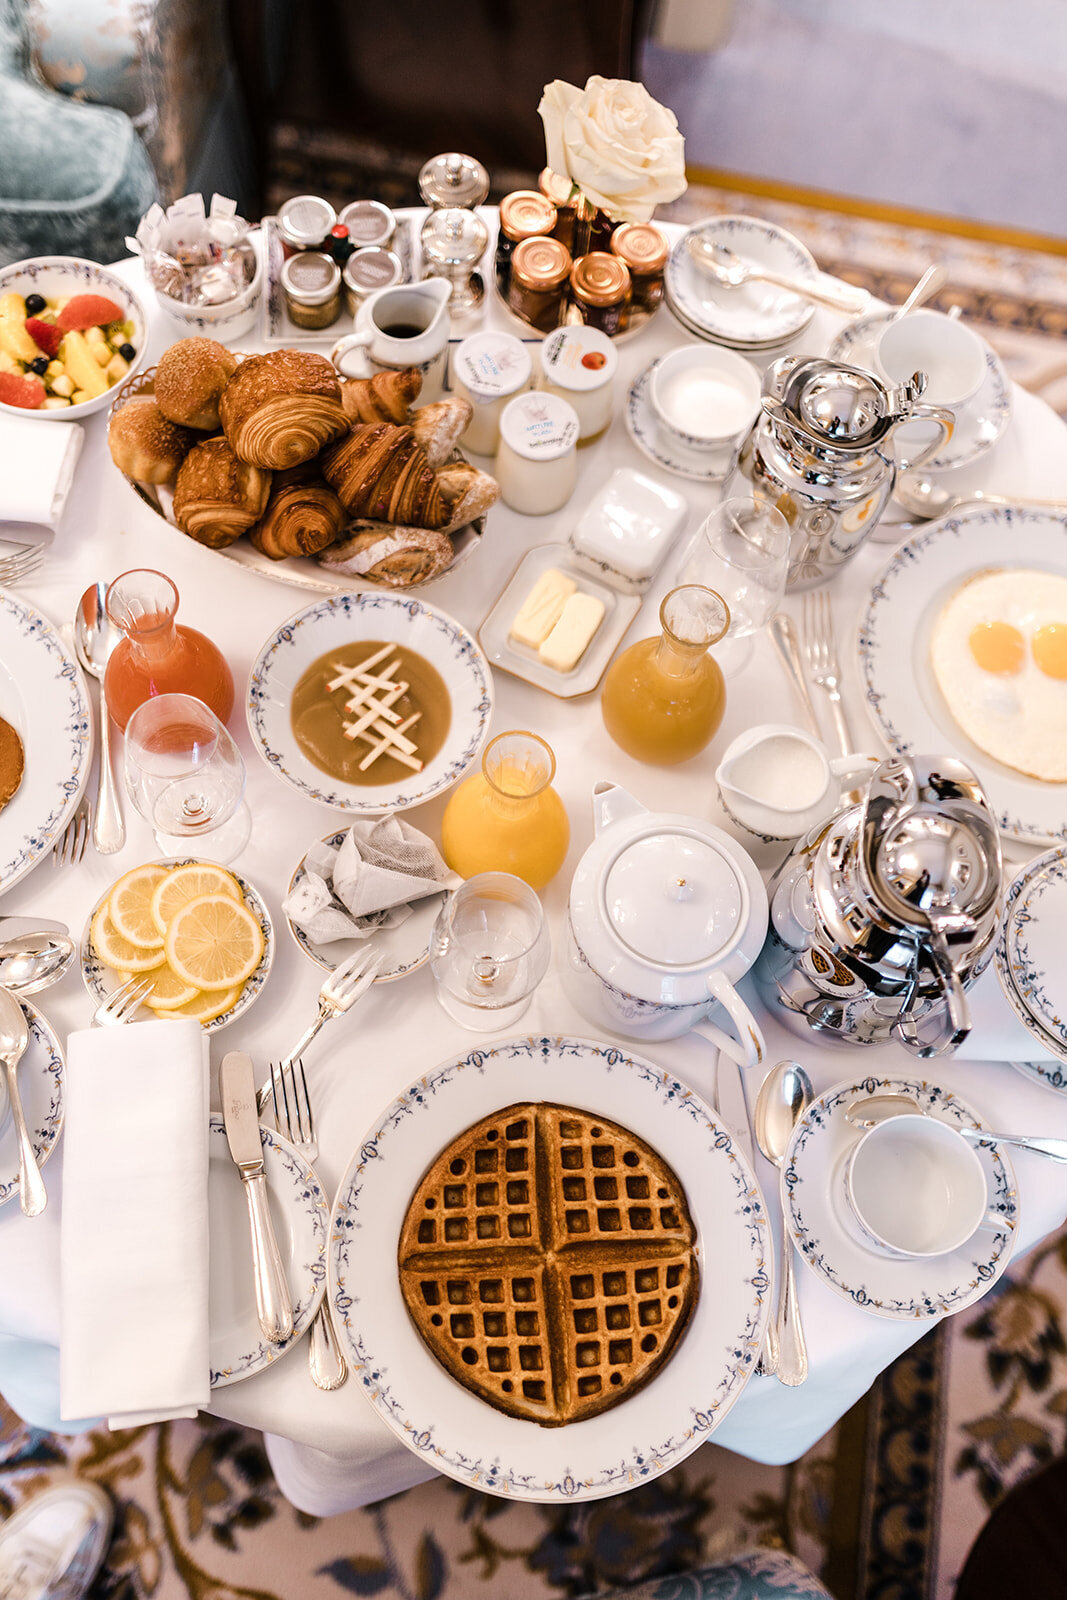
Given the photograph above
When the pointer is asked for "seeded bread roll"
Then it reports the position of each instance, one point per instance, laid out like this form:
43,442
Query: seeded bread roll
190,377
145,444
281,409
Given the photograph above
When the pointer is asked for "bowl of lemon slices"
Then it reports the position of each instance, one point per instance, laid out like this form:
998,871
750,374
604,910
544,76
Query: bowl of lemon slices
200,936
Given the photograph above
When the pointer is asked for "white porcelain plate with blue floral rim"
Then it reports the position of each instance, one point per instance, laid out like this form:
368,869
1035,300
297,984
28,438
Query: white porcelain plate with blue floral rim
754,313
43,696
904,1289
453,1431
979,423
1030,960
101,980
896,626
300,1213
41,1087
346,619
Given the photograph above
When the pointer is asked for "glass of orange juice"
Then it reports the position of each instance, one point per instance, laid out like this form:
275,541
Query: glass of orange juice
664,698
508,817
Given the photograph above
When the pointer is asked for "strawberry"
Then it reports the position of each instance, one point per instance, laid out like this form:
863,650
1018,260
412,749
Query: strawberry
45,335
28,392
87,311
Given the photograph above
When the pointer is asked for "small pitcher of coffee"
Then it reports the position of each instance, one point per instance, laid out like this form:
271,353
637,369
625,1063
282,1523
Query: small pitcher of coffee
406,325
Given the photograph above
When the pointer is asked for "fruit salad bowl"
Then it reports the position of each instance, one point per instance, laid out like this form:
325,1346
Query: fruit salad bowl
27,354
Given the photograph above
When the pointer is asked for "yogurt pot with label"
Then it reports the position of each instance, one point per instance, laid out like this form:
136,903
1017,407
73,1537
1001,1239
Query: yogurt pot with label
537,461
489,369
579,364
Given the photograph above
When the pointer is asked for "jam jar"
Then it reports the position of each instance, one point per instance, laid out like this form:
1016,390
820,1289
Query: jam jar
559,191
366,270
644,250
311,283
539,272
600,288
368,222
304,223
523,215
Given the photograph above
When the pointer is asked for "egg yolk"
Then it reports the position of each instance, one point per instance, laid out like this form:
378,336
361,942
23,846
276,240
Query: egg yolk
1049,645
1000,648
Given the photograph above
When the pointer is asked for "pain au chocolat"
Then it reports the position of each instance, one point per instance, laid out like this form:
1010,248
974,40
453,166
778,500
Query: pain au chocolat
280,409
547,1260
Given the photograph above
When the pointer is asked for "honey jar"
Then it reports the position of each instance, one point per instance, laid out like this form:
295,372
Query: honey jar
600,288
644,249
311,282
523,215
539,272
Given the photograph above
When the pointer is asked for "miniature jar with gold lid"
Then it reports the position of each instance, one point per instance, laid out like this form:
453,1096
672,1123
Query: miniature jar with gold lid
559,191
600,287
644,249
524,214
539,272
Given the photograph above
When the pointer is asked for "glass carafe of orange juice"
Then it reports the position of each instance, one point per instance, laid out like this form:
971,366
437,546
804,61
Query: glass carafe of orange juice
664,698
159,655
508,817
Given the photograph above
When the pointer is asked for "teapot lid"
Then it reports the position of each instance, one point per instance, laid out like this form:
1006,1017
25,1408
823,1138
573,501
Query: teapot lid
838,405
674,899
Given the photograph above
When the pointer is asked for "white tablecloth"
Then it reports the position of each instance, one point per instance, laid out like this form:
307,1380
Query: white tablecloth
330,1450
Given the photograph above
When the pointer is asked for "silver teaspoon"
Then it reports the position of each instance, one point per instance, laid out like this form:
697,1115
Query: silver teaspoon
95,636
727,268
880,1107
784,1096
926,500
14,1037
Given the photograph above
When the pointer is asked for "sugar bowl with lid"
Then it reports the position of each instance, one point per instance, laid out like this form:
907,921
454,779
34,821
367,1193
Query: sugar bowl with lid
666,913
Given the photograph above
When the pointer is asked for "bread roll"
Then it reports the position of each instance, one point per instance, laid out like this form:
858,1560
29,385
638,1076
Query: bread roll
217,497
397,557
387,397
380,472
145,444
438,427
190,377
280,409
303,515
468,493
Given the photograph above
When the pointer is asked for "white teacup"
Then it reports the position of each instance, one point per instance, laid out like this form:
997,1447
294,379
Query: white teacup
951,355
777,781
706,398
915,1187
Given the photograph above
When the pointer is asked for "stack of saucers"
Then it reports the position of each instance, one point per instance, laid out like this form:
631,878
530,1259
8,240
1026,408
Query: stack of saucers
1029,958
755,316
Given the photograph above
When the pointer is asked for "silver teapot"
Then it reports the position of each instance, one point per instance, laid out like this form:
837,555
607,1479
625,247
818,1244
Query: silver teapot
820,452
883,917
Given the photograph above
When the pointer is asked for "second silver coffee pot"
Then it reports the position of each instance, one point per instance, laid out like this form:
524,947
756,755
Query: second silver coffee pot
821,452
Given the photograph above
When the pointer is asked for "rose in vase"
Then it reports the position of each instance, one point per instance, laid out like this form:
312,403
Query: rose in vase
619,146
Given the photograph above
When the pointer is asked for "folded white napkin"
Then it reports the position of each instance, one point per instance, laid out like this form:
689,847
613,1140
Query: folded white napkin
134,1229
39,460
367,883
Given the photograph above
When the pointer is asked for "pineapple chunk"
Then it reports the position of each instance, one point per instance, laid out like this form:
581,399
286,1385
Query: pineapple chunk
14,339
54,402
80,396
8,363
54,370
116,368
101,353
82,366
63,384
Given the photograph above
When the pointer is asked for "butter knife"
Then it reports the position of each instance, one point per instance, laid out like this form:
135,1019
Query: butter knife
237,1086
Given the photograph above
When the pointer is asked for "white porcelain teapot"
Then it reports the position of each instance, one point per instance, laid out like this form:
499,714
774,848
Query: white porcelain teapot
666,913
405,325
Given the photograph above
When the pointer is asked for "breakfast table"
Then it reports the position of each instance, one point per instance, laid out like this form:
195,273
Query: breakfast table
330,1451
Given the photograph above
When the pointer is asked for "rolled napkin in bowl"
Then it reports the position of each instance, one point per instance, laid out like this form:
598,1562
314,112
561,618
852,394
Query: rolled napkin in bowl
38,470
367,883
134,1230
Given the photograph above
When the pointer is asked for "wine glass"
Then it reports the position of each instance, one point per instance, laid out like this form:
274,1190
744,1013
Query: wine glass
186,777
742,552
489,950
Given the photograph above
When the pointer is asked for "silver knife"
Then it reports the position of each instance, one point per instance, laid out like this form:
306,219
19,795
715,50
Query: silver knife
237,1088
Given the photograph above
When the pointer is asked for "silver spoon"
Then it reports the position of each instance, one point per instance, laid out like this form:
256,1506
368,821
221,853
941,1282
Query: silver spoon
95,636
14,1037
931,281
729,270
31,961
784,1096
880,1107
926,500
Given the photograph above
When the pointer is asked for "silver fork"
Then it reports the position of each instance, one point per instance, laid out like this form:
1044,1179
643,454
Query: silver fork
342,988
23,560
821,649
72,846
121,1003
326,1364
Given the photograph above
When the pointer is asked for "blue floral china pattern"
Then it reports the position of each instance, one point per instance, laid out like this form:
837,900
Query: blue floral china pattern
41,1086
1029,957
904,1289
238,1349
651,437
755,313
656,1427
345,619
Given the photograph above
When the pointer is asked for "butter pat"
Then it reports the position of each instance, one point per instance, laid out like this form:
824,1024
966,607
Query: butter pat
542,608
567,643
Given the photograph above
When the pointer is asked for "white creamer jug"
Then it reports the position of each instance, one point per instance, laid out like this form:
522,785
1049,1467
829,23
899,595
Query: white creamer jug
778,782
406,325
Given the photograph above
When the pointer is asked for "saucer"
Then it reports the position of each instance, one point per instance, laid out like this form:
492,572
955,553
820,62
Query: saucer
979,423
41,1087
1029,953
1048,1073
658,443
904,1289
754,313
751,347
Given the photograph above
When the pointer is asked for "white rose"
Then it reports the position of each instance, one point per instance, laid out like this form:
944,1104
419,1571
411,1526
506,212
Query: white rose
621,147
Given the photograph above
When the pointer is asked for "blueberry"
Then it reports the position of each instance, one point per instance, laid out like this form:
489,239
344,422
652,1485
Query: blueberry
35,303
126,351
40,366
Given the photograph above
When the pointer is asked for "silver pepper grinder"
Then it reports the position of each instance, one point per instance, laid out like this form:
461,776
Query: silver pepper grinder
452,180
453,243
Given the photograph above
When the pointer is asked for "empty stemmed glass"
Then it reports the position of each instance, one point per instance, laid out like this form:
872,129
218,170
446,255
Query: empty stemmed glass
186,777
489,950
742,552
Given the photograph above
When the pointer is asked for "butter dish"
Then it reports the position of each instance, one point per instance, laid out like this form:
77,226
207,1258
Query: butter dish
627,529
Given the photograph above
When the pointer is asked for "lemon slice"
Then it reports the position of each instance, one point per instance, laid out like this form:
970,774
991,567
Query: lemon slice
206,1007
183,884
214,943
168,991
115,951
130,906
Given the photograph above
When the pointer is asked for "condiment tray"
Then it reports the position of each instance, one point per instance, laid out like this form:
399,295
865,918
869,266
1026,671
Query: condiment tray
278,327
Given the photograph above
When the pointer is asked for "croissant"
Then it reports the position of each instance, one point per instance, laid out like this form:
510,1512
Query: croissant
397,557
381,472
303,516
280,409
217,497
387,397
